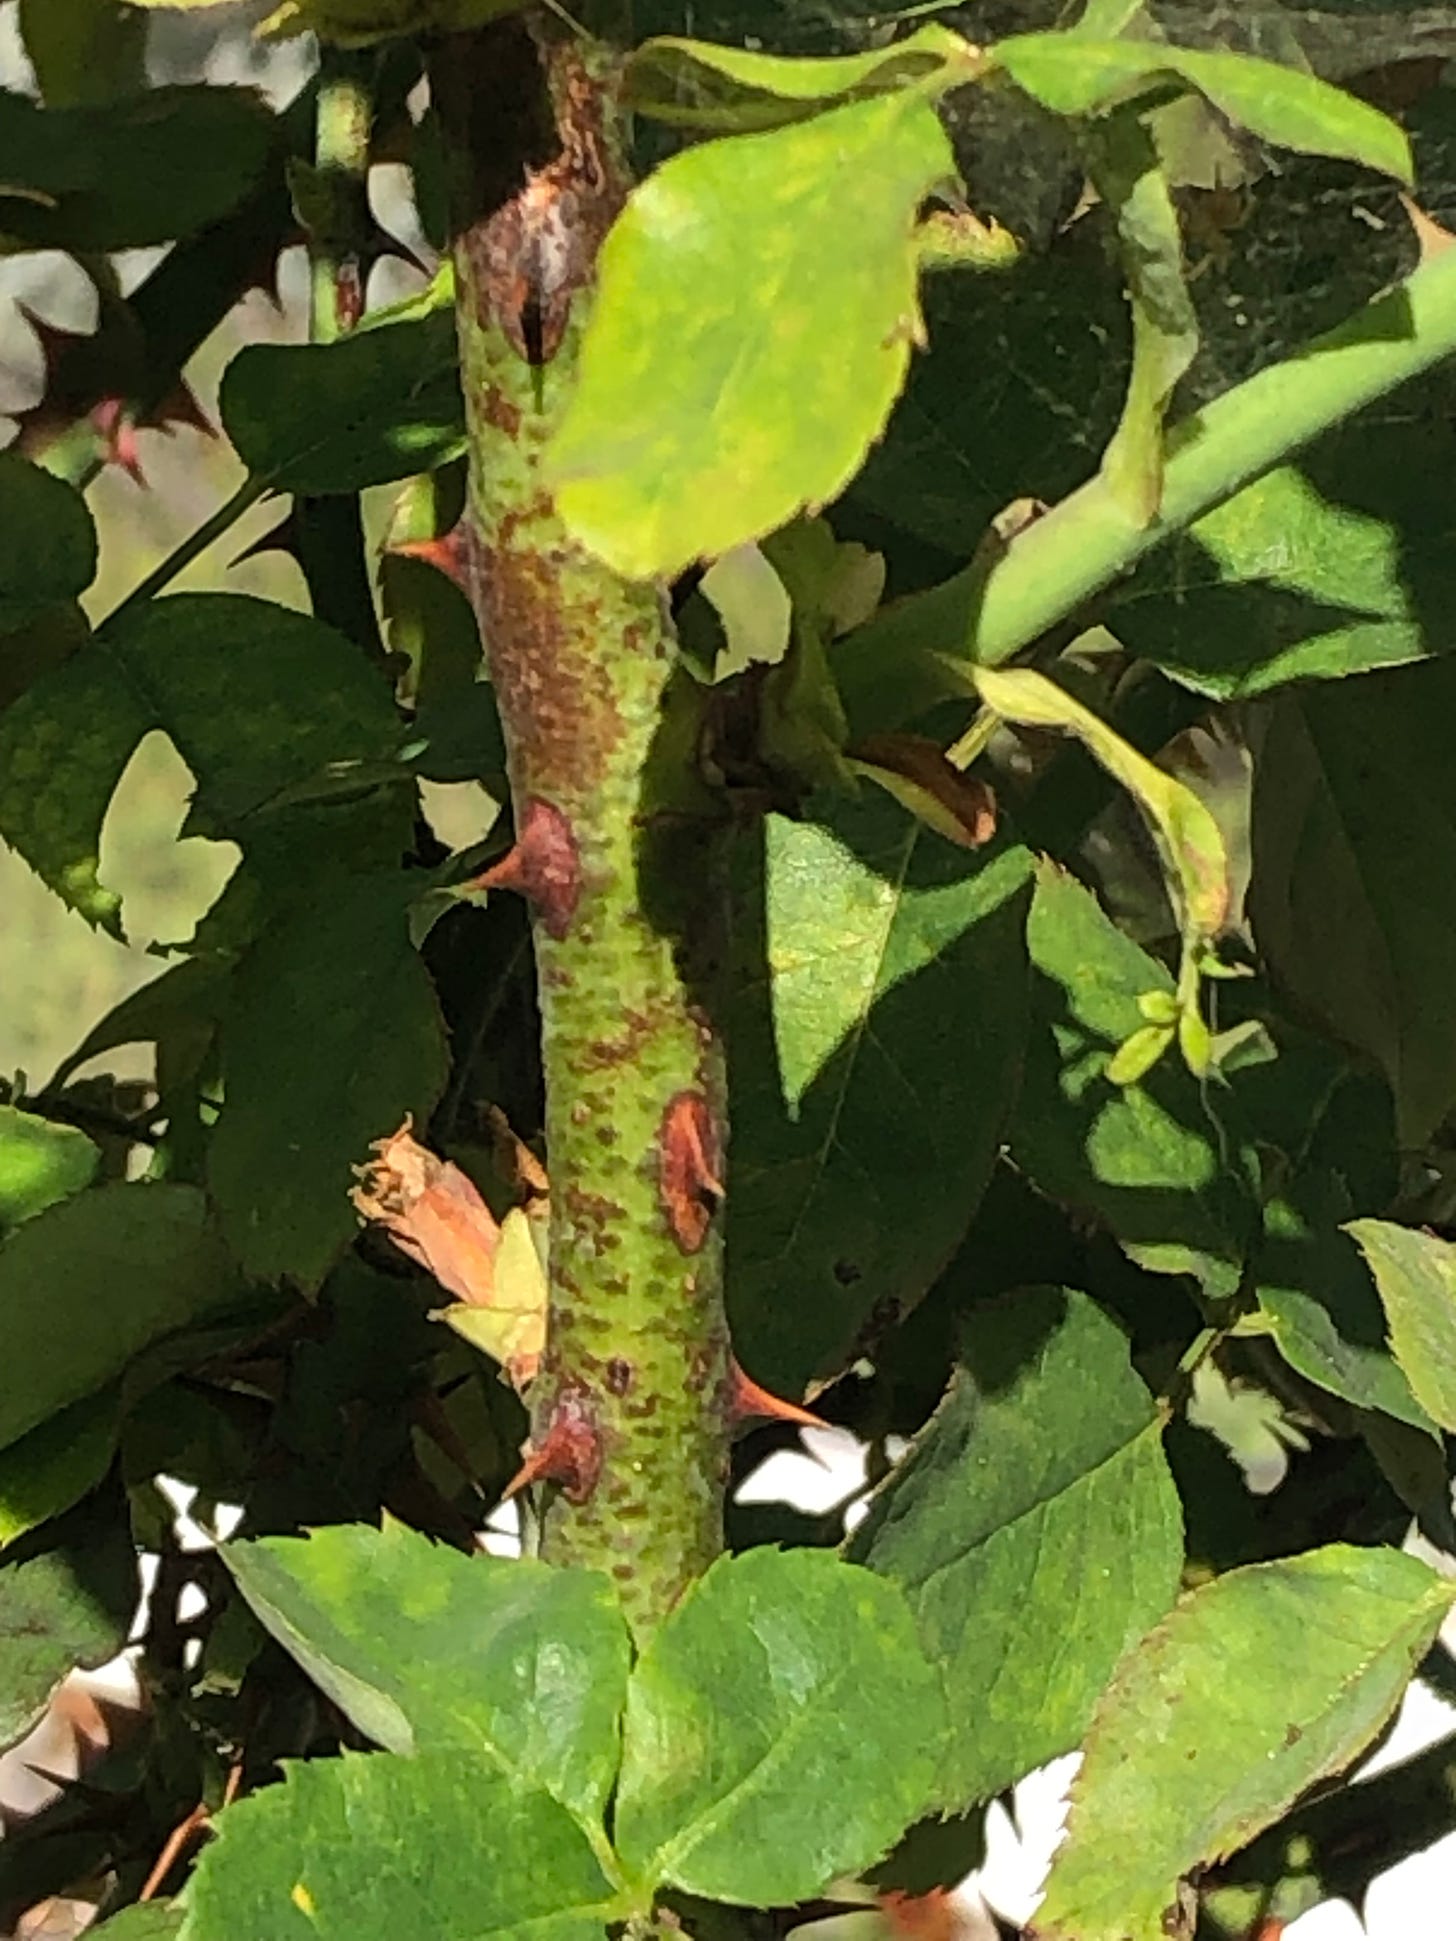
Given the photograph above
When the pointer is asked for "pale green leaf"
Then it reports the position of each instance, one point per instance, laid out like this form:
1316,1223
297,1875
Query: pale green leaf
143,1921
698,84
1257,1685
1035,1530
1416,1275
40,1162
782,1729
424,1648
374,1848
1283,105
710,408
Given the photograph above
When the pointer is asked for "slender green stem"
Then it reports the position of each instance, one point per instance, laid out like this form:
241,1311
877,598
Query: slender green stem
333,197
899,665
617,849
195,544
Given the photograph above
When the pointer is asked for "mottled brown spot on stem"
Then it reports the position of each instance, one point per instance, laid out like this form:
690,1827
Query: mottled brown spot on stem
569,1453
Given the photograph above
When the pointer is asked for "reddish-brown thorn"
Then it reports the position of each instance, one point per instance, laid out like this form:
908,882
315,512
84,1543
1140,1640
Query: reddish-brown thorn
116,426
747,1402
570,1453
449,554
688,1177
543,865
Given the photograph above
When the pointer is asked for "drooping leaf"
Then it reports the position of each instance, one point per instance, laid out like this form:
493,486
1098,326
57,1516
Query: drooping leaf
877,1028
1129,178
1282,105
40,1162
373,1848
1354,833
1257,1685
55,1464
1146,1157
1416,1275
332,1036
425,1649
254,698
376,405
106,1272
146,170
707,413
66,1605
782,1729
47,542
698,84
1035,1530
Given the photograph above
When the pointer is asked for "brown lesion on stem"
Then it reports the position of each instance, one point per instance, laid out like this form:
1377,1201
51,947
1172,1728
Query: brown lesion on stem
569,1453
690,1165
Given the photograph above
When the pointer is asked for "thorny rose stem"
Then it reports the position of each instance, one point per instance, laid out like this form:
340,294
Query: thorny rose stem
618,849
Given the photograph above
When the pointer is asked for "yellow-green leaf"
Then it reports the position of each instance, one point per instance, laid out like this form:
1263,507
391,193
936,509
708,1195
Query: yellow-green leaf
752,329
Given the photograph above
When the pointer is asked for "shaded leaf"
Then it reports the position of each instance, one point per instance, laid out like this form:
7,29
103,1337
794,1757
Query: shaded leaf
107,1272
877,1027
1147,1157
1257,1685
57,1463
146,170
706,413
376,405
68,1605
1035,1530
697,84
1354,833
83,51
253,697
424,1648
453,1847
332,1035
47,542
40,1163
782,1726
1416,1276
1072,75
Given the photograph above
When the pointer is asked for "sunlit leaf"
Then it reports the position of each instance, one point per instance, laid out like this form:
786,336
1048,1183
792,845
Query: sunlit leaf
1416,1275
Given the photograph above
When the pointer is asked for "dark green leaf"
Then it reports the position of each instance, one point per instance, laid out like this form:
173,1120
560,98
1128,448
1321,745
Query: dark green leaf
376,1849
1075,76
47,541
62,1607
84,50
145,170
253,697
1259,1684
56,1464
40,1163
782,1729
1354,831
707,413
1035,1530
318,418
332,1037
1416,1275
1147,1158
107,1273
877,1034
424,1648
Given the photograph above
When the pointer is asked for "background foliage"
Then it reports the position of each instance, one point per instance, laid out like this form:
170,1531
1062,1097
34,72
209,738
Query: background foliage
1087,1304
